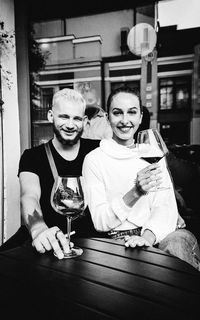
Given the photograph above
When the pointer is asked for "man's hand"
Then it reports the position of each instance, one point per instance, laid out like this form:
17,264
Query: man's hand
47,239
134,241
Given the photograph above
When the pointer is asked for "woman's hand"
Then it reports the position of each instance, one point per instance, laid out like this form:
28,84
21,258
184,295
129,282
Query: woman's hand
148,179
147,239
136,241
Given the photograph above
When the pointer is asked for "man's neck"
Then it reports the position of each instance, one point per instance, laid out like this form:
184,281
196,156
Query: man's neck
68,152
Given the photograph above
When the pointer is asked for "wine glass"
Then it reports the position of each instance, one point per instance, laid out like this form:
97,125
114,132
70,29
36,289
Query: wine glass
67,198
152,147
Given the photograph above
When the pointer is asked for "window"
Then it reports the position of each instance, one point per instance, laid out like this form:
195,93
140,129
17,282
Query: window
166,94
175,93
41,129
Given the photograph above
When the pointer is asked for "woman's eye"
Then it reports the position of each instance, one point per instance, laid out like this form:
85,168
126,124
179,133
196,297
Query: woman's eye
133,112
116,113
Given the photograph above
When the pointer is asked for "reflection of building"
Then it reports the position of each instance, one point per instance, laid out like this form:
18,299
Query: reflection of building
167,78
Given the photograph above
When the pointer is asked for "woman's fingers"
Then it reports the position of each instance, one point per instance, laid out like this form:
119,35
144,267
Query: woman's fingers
149,177
135,241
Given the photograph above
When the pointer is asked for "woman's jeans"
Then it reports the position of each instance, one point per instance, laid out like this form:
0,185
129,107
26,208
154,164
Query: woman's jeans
182,244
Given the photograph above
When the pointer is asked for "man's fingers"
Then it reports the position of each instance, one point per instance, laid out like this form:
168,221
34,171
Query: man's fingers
64,242
38,246
52,239
46,244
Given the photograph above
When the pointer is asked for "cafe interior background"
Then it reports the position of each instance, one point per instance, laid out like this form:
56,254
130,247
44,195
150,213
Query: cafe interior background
46,46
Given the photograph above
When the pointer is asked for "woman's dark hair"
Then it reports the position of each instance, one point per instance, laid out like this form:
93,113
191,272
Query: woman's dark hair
125,89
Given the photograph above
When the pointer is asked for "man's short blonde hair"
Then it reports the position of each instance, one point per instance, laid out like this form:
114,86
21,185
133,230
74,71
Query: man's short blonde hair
69,95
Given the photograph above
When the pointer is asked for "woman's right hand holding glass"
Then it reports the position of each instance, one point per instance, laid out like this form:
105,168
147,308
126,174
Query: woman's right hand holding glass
148,179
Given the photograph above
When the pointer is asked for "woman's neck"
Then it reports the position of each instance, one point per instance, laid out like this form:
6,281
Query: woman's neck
125,143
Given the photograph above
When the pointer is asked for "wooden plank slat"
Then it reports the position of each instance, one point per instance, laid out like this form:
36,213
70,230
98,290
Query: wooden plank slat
49,288
107,282
151,255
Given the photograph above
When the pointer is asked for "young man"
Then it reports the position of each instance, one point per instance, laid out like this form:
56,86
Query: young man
47,227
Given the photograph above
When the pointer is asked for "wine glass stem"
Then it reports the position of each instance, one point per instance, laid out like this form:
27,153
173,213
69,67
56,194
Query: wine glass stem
69,229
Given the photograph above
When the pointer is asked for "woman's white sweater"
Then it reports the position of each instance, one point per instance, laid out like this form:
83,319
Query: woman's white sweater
109,172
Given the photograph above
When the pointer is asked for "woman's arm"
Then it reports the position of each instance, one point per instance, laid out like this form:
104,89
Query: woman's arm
164,211
110,213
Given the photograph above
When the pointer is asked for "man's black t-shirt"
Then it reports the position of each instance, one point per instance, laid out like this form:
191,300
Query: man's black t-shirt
35,160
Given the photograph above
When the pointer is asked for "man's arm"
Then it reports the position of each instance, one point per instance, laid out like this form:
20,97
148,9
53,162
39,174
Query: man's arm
44,238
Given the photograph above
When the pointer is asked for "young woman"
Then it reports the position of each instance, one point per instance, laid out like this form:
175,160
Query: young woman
119,187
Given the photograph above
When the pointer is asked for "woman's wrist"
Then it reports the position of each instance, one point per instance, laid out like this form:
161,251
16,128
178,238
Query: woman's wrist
139,190
149,236
131,197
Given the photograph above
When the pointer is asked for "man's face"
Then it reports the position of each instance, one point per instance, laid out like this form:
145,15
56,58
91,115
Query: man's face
68,120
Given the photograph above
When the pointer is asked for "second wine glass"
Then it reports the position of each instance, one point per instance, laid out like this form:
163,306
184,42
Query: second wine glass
67,199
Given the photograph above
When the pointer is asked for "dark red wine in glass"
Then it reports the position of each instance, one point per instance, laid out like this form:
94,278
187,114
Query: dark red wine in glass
151,146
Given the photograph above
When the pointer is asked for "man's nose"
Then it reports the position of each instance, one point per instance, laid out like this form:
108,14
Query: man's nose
69,123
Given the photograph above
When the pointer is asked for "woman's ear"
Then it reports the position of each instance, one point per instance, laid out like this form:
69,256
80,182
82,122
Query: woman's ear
141,118
50,116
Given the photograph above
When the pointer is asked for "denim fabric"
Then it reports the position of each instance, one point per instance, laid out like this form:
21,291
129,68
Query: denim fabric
182,244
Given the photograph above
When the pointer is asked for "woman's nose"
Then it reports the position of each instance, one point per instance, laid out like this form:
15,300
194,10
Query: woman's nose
125,118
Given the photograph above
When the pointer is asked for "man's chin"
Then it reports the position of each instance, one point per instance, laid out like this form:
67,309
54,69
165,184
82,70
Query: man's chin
69,141
65,140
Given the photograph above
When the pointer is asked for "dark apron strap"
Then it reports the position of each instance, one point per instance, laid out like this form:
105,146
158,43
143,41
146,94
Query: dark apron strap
51,160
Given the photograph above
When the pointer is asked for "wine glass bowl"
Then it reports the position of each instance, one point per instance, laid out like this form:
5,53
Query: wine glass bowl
67,199
151,147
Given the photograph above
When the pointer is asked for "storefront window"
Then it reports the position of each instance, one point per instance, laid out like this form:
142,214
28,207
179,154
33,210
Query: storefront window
175,93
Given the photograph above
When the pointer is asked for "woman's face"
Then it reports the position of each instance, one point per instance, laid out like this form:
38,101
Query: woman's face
125,117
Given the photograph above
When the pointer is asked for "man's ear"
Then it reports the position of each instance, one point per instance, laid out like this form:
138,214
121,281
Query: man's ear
106,115
85,120
50,116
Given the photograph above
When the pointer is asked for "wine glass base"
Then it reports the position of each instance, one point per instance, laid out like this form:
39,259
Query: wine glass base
73,253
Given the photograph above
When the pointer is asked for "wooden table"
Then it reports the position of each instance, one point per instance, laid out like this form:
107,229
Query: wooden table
108,281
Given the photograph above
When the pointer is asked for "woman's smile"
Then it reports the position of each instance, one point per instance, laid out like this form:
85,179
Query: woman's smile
125,129
125,117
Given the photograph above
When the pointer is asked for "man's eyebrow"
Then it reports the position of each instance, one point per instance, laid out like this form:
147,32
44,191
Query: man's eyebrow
63,115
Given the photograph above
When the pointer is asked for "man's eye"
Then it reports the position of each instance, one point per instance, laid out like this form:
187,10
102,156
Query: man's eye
63,117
